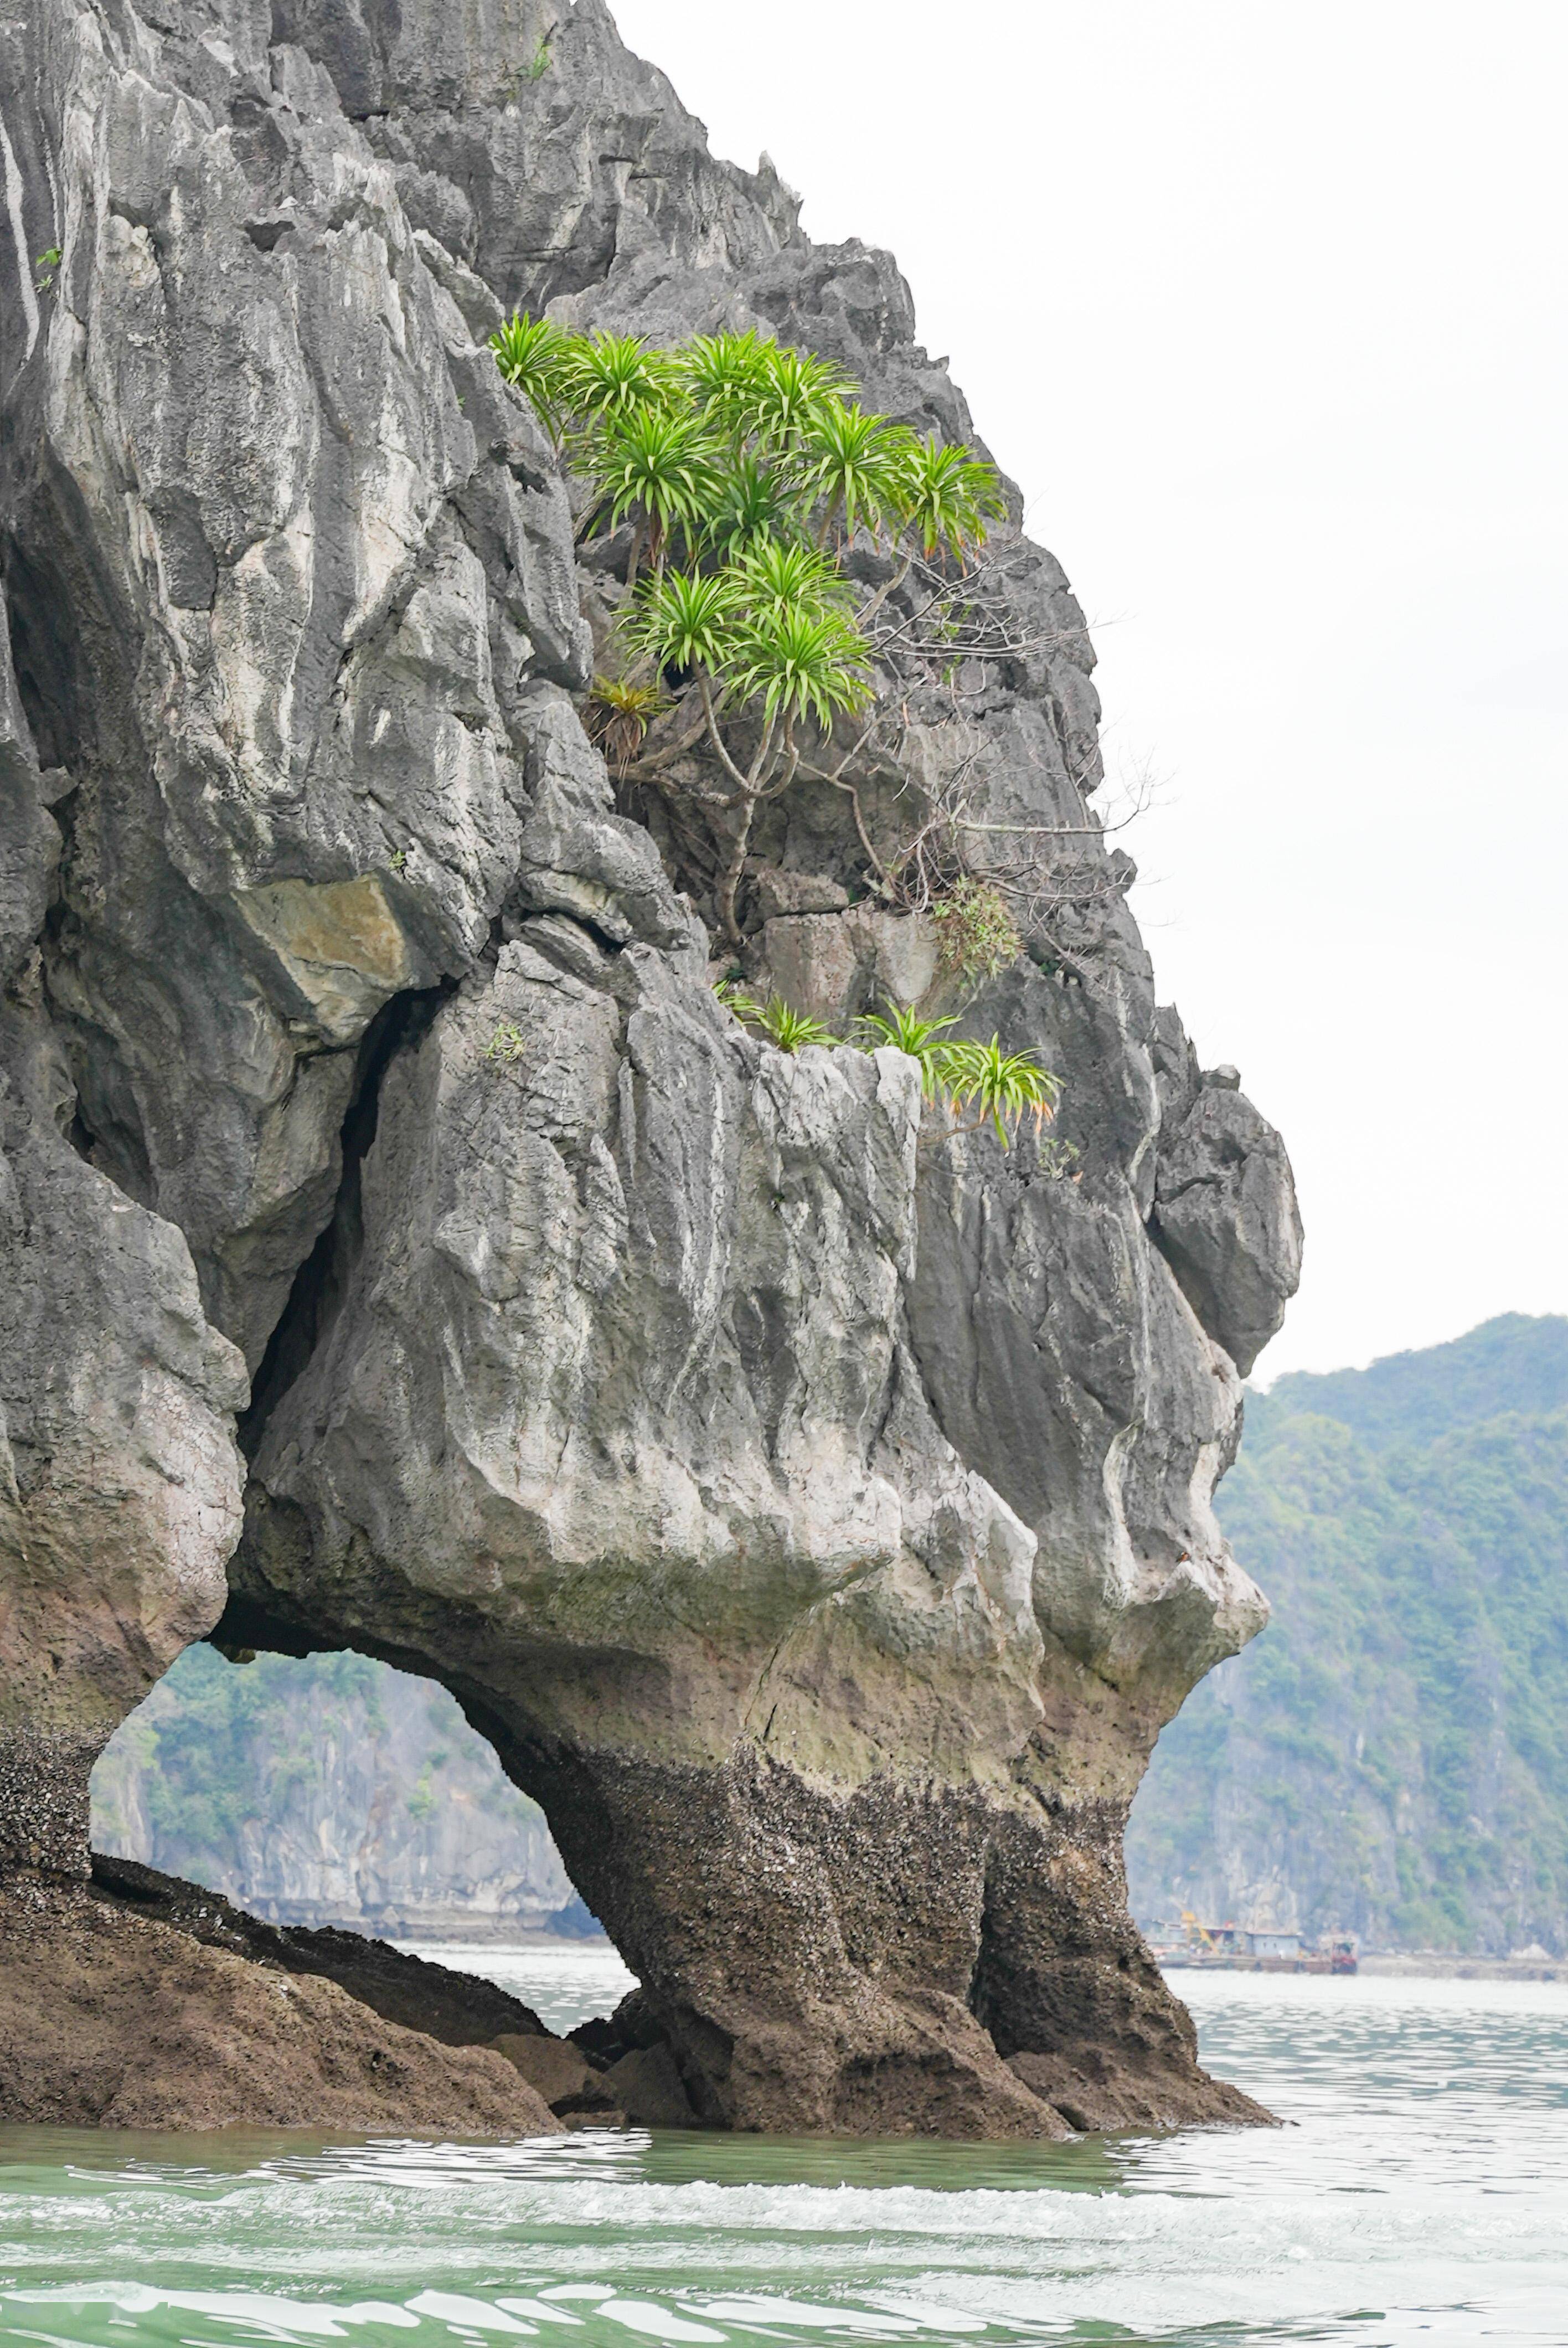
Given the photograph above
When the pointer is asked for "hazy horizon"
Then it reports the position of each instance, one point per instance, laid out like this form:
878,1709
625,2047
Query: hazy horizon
1264,314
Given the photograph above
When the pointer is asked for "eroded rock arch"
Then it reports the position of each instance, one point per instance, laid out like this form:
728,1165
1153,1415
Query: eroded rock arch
820,1526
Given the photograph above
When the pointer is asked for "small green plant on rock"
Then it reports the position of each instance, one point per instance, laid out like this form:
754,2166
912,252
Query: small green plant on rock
1003,1087
976,933
790,1029
531,353
619,713
44,268
908,1032
508,1042
539,65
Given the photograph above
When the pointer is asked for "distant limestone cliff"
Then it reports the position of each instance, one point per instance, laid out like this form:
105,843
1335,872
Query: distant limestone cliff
1393,1758
330,1791
407,1249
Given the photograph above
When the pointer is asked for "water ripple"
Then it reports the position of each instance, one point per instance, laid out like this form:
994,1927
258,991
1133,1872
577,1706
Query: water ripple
1419,2193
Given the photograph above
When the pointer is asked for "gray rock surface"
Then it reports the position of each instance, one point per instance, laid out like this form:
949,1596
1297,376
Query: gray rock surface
814,1511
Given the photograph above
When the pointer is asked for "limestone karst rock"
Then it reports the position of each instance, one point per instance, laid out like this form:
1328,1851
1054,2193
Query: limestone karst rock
818,1522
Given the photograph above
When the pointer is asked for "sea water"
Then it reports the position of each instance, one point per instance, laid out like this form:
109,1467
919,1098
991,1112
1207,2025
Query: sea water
1418,2193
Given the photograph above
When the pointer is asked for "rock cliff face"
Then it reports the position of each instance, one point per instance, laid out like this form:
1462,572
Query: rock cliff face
818,1523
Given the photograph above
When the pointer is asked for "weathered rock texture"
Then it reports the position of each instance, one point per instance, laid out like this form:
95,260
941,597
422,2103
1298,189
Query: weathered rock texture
146,2012
819,1526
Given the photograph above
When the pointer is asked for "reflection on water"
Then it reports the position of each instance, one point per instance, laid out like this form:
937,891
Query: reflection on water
1419,2194
565,1981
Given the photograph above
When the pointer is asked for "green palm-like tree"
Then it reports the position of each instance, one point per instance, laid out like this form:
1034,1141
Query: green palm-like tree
947,496
1003,1087
791,389
799,665
908,1032
607,374
786,666
855,463
663,466
688,619
533,354
776,578
755,502
724,451
724,372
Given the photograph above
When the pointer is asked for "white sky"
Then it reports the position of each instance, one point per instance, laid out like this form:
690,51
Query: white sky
1264,305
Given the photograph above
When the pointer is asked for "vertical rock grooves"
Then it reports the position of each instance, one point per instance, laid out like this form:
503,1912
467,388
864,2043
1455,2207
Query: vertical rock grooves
816,1517
322,1279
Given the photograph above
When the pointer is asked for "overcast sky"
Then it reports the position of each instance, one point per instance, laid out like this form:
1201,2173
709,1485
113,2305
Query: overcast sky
1263,306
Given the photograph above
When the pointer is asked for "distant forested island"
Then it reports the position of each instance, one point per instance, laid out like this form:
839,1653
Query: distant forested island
1391,1756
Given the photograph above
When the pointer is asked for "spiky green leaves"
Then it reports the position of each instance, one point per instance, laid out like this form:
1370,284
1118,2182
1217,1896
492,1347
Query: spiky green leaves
790,1029
686,620
947,496
1003,1087
852,463
792,390
770,630
800,665
610,374
776,578
532,355
660,463
906,1031
757,503
753,441
725,374
619,711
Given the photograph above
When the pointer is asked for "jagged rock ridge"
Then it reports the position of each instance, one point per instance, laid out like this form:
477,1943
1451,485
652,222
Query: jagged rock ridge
818,1524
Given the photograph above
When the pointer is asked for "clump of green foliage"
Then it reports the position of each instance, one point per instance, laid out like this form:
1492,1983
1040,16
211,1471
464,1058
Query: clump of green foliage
508,1042
791,1030
43,267
978,935
619,711
1000,1088
745,470
906,1031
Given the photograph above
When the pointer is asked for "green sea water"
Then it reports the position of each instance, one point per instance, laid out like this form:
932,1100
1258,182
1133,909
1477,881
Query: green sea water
1419,2193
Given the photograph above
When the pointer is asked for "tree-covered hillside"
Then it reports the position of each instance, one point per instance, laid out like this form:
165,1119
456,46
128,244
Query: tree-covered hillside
1392,1753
